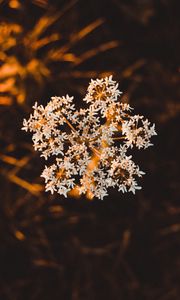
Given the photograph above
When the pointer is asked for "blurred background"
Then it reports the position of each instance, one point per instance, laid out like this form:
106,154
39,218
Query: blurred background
125,247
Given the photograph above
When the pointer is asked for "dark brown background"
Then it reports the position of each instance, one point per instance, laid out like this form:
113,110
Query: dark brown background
125,247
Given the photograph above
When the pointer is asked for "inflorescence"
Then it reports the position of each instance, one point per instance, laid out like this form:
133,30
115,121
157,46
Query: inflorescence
90,145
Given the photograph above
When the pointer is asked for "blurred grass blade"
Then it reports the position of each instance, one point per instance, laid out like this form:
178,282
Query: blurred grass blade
47,20
34,189
93,52
76,37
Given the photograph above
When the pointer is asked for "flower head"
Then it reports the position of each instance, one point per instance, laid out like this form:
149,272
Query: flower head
90,146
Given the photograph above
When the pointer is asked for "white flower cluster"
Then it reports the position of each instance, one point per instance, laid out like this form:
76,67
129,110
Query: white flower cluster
84,143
